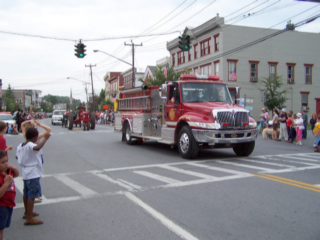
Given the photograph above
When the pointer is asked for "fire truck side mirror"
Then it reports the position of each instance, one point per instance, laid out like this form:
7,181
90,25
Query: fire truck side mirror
236,96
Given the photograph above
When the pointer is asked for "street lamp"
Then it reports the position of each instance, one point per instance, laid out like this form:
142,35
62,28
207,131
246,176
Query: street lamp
112,56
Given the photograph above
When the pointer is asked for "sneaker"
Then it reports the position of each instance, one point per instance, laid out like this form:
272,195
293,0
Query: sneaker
300,143
314,145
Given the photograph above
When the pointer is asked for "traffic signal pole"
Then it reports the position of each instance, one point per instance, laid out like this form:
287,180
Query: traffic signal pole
133,73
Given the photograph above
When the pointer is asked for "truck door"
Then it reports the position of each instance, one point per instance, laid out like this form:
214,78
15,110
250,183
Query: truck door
173,105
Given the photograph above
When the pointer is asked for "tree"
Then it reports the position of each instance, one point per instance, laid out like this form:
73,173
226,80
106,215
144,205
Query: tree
159,77
271,92
10,101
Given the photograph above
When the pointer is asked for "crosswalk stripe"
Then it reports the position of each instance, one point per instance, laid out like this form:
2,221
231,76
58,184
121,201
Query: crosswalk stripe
187,172
82,190
285,160
109,179
245,166
218,169
157,177
300,158
267,163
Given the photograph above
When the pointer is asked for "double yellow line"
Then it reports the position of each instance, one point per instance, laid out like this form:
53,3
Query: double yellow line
289,182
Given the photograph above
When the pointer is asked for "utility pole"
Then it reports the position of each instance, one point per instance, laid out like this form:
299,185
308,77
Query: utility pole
133,73
93,103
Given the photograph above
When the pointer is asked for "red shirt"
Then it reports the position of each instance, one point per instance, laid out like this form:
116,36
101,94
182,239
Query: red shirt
7,200
289,122
3,144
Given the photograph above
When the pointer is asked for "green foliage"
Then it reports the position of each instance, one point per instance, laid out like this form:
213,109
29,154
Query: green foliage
9,99
274,96
159,77
102,93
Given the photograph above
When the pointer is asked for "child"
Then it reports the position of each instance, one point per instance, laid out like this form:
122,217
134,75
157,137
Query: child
29,157
10,128
3,144
7,191
299,127
316,132
34,124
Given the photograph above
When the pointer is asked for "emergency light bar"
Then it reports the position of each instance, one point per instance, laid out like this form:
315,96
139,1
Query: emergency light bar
198,77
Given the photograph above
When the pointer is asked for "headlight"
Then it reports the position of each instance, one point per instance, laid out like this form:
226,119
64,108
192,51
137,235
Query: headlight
253,124
205,125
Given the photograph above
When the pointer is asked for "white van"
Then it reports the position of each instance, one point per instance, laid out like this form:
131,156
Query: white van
57,116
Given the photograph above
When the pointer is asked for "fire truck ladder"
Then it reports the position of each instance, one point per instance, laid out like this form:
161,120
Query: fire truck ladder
136,103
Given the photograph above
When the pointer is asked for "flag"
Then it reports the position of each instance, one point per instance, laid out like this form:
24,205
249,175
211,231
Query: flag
166,70
234,74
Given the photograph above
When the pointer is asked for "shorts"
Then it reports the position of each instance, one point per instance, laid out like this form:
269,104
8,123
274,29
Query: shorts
275,126
5,217
32,188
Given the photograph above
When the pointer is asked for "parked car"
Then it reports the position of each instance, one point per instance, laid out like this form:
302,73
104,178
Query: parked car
57,116
7,118
49,115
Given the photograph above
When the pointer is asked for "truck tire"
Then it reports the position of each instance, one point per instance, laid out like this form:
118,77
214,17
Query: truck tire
244,149
70,121
127,133
93,121
187,146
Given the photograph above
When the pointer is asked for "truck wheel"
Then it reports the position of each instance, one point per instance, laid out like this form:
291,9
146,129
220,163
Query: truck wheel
187,146
127,133
88,125
93,121
70,120
244,149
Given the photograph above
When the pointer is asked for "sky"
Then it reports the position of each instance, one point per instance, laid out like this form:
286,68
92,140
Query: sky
37,37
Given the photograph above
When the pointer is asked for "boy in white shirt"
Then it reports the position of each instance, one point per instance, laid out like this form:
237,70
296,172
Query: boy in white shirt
29,157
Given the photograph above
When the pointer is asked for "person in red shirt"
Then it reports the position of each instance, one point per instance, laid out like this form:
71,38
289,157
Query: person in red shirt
7,191
3,144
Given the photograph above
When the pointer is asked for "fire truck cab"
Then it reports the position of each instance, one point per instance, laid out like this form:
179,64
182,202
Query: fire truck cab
195,112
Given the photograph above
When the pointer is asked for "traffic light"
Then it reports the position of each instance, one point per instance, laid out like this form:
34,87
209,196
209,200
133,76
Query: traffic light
184,43
80,49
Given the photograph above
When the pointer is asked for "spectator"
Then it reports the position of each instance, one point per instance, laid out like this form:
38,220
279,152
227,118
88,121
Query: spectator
299,128
283,125
305,123
313,120
316,132
275,124
289,125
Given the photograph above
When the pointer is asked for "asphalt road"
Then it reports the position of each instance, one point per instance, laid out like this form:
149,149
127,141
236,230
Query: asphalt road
97,187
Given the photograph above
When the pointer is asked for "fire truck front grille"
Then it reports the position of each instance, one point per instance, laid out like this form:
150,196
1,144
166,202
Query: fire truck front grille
233,120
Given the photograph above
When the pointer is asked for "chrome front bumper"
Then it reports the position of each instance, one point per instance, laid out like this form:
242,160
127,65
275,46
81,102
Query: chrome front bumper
225,136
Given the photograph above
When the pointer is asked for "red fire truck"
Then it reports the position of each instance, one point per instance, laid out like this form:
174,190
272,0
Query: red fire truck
195,112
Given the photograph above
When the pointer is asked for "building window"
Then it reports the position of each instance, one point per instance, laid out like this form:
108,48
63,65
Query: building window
304,100
205,69
196,70
272,70
189,56
181,58
216,68
290,72
253,71
205,47
216,42
232,67
308,71
195,50
173,59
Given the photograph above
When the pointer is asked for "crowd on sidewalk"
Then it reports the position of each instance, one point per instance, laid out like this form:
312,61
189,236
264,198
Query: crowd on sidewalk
105,117
292,127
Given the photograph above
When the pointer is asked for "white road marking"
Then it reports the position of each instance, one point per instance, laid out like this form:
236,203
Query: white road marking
218,169
187,172
157,177
105,177
244,165
286,160
82,190
300,158
268,163
163,219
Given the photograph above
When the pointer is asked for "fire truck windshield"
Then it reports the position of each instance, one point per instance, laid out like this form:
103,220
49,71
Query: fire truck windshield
205,92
